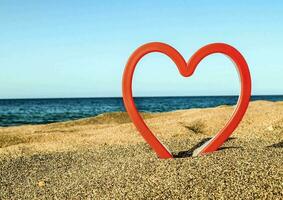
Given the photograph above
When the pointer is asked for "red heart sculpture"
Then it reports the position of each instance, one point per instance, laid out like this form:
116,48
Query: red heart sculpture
186,70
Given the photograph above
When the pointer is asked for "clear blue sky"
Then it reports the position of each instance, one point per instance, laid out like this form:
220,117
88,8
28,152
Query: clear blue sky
79,48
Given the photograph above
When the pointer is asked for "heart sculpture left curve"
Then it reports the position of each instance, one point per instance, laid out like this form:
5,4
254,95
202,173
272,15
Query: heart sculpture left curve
186,70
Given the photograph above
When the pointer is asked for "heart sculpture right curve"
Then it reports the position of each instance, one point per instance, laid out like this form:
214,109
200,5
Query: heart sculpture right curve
186,70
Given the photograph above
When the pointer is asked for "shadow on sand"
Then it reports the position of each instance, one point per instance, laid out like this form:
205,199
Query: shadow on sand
277,145
189,153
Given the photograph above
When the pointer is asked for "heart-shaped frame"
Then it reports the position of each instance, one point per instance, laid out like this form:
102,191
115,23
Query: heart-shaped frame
186,70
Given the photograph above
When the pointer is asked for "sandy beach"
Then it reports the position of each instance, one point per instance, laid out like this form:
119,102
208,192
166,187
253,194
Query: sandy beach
104,157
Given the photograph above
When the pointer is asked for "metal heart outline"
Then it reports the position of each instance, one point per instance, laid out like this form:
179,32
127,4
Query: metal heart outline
187,69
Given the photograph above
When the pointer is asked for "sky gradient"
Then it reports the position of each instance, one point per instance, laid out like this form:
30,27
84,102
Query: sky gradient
80,48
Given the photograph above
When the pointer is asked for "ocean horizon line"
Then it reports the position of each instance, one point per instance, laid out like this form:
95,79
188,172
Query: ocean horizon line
120,97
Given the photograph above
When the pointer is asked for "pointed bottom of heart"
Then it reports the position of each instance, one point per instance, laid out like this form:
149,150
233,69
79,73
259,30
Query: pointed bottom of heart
197,151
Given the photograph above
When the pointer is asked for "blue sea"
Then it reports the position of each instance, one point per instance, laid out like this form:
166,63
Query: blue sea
15,112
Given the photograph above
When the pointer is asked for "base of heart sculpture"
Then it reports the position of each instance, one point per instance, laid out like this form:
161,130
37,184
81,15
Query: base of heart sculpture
198,150
186,70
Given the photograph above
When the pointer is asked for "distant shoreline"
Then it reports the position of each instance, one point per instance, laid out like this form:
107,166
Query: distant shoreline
15,112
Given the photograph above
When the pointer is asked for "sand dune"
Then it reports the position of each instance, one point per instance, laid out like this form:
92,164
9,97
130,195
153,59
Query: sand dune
104,157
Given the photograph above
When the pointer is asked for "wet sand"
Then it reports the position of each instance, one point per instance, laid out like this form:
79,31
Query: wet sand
105,157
